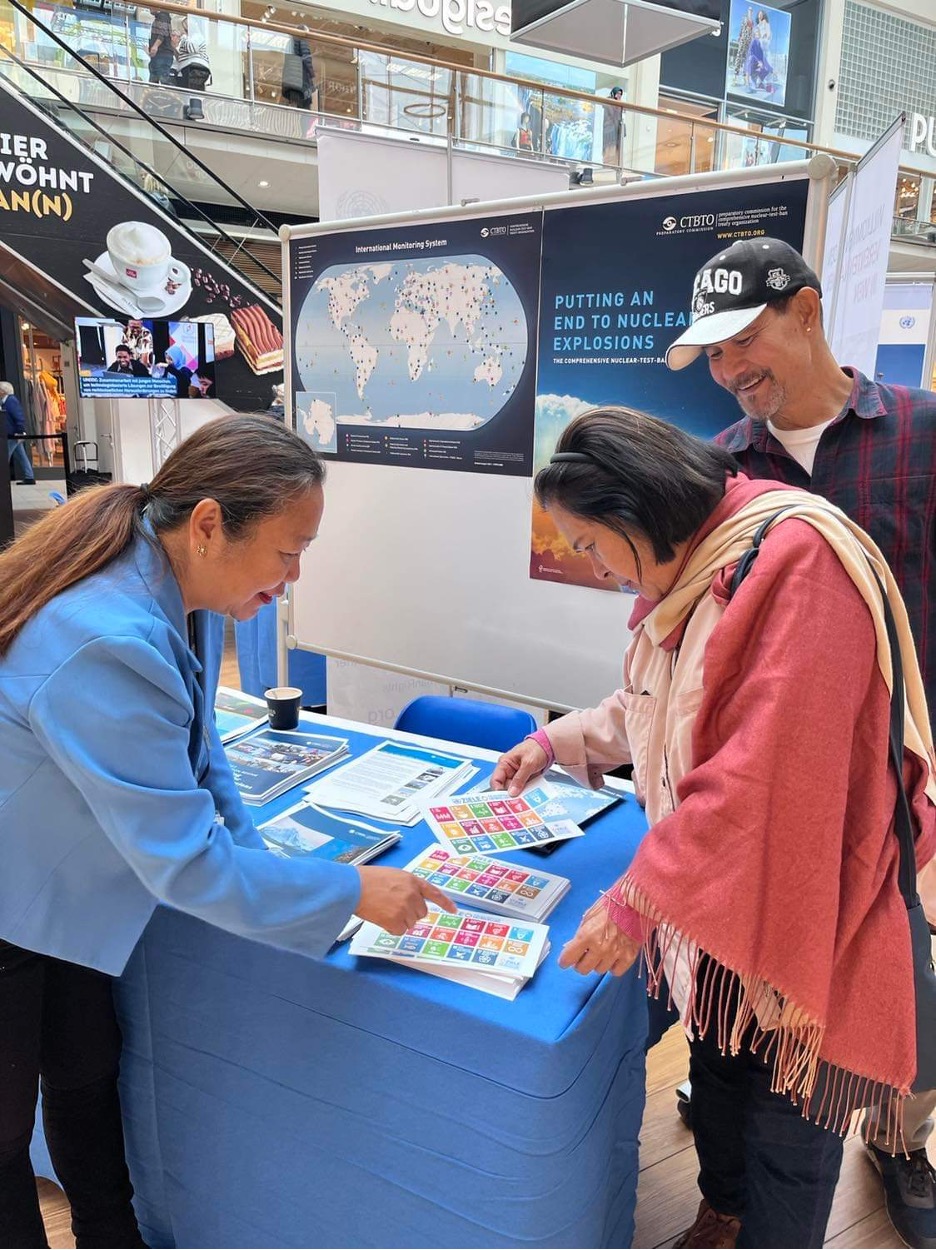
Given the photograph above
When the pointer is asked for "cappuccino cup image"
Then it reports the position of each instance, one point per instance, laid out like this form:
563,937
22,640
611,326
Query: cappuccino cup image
140,254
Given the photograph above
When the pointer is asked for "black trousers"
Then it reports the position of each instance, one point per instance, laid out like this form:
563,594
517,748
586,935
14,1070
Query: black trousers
58,1027
759,1160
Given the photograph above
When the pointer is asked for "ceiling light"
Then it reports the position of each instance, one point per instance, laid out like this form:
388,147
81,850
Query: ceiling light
264,183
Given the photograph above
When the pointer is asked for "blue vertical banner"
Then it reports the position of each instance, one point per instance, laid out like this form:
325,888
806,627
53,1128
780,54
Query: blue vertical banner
615,289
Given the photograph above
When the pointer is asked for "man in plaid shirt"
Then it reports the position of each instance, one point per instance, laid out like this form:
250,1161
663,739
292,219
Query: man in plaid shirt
870,449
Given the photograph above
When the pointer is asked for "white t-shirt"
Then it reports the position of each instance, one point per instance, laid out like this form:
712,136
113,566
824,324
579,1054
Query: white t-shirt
801,444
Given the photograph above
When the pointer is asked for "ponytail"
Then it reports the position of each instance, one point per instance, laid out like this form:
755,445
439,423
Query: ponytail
252,466
66,545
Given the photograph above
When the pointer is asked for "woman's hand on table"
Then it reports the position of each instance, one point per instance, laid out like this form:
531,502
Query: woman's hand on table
395,899
599,945
518,766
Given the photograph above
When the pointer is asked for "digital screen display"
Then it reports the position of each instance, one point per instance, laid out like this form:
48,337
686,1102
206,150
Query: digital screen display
145,359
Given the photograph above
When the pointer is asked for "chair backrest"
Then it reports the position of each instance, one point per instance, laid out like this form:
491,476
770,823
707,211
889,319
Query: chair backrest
469,721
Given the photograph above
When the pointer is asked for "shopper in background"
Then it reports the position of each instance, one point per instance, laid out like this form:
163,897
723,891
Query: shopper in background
115,792
161,48
192,67
298,86
523,136
21,470
613,129
277,408
870,449
758,725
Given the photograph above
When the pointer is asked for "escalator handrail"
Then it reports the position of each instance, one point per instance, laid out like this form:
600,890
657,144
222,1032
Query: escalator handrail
166,134
237,245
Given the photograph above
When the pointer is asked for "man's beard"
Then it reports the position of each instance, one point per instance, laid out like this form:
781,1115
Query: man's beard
765,404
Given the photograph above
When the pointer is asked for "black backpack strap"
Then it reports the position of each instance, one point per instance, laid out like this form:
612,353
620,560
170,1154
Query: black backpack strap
903,819
747,560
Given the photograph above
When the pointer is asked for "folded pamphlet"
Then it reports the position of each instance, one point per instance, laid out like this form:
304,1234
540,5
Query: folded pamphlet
236,713
269,762
391,781
308,830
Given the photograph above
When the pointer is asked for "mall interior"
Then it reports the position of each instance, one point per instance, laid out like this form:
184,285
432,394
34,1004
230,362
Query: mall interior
238,157
166,171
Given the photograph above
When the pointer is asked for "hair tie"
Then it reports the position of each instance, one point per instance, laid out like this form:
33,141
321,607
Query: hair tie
145,491
571,457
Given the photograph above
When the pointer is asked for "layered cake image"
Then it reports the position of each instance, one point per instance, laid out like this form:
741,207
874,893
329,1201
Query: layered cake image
223,334
258,338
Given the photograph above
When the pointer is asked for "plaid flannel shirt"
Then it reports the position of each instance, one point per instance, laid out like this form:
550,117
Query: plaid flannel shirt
877,462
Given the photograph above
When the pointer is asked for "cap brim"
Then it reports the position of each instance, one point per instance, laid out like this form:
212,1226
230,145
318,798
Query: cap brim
709,330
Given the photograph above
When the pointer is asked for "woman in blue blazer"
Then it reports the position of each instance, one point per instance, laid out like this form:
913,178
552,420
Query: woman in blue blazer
115,793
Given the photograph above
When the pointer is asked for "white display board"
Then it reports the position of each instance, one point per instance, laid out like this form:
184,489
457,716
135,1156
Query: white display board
360,172
385,582
861,269
560,644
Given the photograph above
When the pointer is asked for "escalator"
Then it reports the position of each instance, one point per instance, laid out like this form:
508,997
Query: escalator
88,228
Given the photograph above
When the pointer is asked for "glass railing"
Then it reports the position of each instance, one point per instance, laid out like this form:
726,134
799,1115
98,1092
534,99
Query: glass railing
283,81
134,145
914,231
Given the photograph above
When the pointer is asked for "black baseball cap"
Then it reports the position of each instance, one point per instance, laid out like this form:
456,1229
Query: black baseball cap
733,289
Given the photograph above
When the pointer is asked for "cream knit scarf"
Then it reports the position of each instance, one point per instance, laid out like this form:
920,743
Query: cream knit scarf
858,555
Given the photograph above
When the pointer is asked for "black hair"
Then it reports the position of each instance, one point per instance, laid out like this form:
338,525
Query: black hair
252,466
636,474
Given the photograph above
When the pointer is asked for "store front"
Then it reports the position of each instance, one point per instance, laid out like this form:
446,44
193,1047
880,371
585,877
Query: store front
758,74
34,364
380,89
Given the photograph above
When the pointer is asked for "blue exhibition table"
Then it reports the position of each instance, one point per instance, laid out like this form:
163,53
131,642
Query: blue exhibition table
276,1100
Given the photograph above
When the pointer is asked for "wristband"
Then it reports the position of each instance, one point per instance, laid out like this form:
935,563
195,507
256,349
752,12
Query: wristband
541,738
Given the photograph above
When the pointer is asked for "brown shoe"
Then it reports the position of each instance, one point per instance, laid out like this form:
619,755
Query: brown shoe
710,1230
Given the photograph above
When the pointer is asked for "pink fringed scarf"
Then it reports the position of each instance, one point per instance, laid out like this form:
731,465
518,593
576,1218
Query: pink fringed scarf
812,952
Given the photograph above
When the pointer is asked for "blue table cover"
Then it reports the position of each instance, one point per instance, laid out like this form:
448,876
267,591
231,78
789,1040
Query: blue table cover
275,1100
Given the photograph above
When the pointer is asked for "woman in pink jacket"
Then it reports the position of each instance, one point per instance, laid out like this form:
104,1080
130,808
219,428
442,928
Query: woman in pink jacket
757,724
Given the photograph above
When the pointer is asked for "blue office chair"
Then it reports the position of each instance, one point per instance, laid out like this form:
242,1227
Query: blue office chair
469,721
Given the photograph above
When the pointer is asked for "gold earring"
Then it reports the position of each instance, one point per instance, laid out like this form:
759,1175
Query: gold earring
201,550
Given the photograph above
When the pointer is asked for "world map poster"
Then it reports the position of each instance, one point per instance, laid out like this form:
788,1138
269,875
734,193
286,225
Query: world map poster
416,345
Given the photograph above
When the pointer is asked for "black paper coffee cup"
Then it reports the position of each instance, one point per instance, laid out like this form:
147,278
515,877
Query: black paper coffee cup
283,706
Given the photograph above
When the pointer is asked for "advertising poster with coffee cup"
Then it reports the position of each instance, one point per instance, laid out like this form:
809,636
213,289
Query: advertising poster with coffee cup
64,211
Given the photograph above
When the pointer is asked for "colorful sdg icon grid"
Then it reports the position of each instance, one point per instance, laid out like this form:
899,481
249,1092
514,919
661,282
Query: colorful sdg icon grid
494,825
462,939
480,878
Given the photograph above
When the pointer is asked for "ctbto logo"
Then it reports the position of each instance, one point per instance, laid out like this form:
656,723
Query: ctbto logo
669,223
